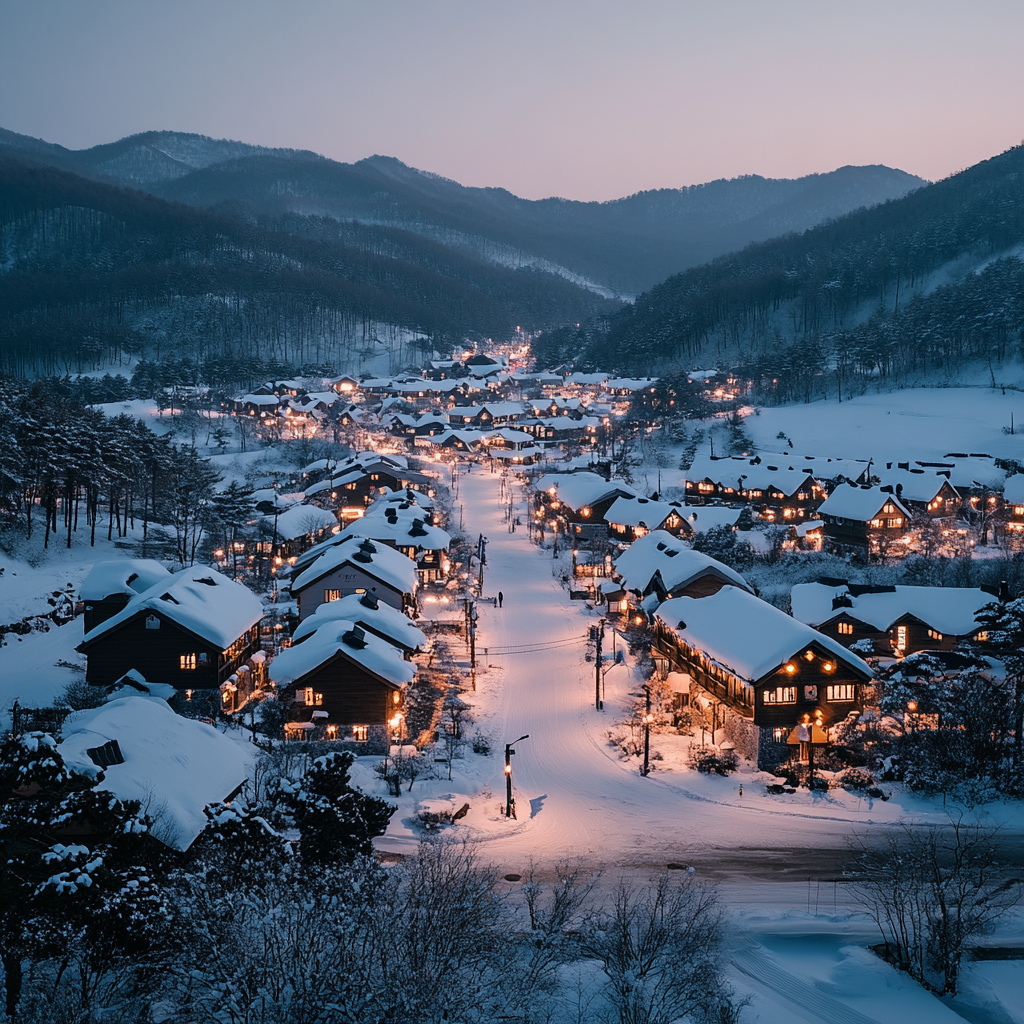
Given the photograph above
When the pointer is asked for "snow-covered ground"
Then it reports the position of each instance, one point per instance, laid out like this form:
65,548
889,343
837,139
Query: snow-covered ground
922,423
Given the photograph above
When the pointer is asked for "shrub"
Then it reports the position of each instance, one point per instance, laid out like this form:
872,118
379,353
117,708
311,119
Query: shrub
856,779
713,762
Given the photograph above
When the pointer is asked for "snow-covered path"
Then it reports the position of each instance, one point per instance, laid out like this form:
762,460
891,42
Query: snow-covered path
574,797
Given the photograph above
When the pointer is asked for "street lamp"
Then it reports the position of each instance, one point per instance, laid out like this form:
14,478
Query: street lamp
510,804
648,718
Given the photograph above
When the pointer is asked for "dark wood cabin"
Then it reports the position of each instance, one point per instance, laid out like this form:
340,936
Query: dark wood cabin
163,651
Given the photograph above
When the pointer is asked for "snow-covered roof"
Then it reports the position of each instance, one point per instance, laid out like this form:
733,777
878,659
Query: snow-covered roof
301,520
751,474
947,610
198,599
576,490
706,517
745,634
849,501
393,625
821,466
375,655
963,471
267,400
173,766
913,485
586,378
1013,492
376,560
677,564
641,512
401,530
128,576
630,383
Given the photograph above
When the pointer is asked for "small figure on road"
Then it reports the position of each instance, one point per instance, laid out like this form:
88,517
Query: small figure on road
501,598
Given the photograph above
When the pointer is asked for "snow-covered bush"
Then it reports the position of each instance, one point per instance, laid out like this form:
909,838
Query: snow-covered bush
709,761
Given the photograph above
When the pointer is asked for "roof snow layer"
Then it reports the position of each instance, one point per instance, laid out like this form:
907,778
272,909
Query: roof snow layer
579,489
948,610
302,520
109,578
747,635
848,501
173,766
385,564
396,626
199,599
377,656
660,552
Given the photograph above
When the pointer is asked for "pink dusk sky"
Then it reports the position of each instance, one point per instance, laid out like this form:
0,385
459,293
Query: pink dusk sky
587,100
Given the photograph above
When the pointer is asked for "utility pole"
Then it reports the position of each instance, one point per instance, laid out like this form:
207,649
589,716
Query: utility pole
648,718
472,643
510,804
598,703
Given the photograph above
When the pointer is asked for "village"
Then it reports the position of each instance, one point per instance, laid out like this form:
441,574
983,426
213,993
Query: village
537,625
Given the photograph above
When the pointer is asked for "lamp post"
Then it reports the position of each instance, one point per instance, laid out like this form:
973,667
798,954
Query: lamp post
648,718
510,804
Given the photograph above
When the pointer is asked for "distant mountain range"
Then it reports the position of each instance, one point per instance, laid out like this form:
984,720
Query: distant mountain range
884,296
615,248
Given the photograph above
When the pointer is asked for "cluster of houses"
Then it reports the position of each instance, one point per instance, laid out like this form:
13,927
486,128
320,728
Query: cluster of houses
853,507
195,635
776,683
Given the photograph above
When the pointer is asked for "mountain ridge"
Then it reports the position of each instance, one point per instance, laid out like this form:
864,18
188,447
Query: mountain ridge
622,245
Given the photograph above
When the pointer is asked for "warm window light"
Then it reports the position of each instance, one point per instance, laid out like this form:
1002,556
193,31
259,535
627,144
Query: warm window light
396,697
809,655
639,619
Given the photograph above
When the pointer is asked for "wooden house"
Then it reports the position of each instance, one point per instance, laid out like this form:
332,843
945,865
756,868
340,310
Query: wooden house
922,491
631,518
658,567
408,529
780,491
356,566
344,385
491,414
192,631
111,585
579,502
896,620
863,521
762,674
1013,505
343,683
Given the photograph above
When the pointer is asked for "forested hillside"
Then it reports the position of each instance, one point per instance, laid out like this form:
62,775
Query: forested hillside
618,247
89,271
920,283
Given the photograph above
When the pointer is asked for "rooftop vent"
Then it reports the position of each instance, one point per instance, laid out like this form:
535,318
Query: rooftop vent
169,597
208,580
417,529
355,637
369,600
105,756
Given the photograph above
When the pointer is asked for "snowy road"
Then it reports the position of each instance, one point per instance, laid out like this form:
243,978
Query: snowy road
574,797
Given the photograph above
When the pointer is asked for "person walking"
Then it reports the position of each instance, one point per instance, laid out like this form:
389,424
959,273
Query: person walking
501,598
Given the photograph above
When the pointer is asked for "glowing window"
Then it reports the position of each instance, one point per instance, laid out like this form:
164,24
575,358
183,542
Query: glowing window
901,638
840,692
332,595
187,662
780,695
360,733
934,634
845,628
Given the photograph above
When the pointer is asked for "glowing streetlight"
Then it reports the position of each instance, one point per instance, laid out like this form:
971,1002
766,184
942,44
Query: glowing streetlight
510,804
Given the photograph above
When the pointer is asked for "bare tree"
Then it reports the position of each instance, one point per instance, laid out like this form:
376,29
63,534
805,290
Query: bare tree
931,893
659,948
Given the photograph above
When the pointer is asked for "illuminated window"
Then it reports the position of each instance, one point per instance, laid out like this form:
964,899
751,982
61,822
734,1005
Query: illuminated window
876,523
1018,510
983,636
934,635
304,695
894,524
780,695
845,628
901,638
360,733
187,662
332,595
779,735
840,692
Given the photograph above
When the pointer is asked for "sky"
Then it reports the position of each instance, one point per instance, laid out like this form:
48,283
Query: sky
585,99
